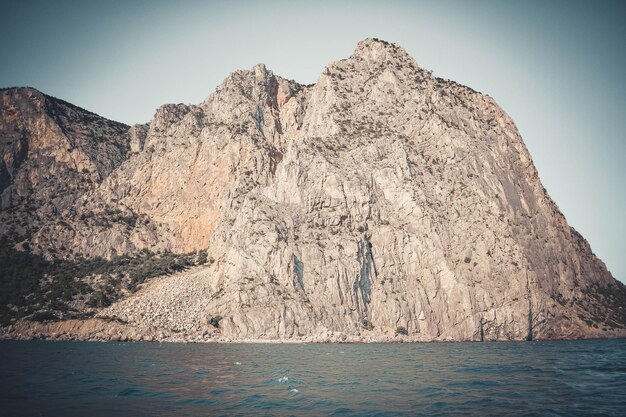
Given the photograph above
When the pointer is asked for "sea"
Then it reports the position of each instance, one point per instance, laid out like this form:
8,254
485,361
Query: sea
544,378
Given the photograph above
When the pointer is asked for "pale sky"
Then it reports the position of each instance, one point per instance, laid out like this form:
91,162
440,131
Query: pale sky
557,67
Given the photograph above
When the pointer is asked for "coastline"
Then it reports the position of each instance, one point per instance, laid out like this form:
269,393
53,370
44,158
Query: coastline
102,330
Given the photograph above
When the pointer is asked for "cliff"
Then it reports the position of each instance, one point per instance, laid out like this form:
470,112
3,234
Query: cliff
381,198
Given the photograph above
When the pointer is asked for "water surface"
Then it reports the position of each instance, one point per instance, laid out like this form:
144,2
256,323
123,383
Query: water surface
577,378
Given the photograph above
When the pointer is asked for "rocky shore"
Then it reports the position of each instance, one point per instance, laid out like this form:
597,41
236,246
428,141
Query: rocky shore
103,330
108,331
176,308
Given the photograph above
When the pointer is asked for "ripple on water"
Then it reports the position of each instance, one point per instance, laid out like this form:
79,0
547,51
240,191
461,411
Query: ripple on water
129,392
566,379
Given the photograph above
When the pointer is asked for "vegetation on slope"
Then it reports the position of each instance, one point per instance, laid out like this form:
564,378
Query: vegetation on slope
40,289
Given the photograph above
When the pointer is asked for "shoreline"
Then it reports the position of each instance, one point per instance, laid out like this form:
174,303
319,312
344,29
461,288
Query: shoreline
100,330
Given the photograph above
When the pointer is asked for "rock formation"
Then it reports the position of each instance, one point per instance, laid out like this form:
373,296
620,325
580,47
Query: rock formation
379,198
51,152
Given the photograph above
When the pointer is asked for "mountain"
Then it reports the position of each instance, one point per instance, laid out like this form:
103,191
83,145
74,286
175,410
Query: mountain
51,153
378,202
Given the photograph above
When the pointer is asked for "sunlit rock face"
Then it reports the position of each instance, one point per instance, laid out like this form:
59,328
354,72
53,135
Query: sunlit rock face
380,197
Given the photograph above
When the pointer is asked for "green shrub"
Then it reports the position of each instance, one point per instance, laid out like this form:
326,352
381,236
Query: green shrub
367,325
202,257
44,315
31,284
215,321
401,330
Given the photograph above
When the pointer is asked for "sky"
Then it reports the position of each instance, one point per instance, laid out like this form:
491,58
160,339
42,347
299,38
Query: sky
556,67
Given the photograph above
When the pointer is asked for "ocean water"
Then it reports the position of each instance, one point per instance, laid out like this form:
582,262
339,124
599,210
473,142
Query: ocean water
564,378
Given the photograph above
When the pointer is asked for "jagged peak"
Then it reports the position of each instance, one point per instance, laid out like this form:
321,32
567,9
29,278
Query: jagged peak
376,50
258,72
168,114
255,81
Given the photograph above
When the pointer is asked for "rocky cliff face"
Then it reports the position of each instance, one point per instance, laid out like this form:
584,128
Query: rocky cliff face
51,152
381,197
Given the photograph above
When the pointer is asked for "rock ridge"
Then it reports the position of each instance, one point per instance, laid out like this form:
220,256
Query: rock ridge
379,198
